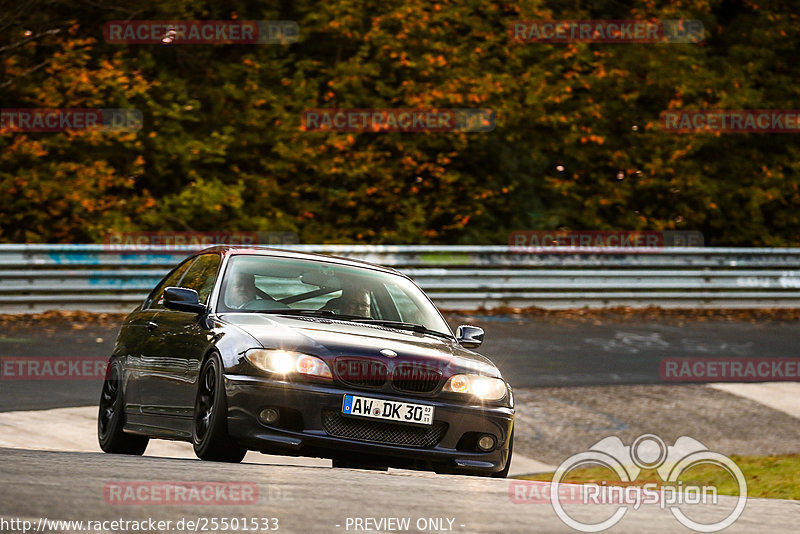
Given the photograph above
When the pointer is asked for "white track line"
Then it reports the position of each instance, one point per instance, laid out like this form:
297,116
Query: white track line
783,396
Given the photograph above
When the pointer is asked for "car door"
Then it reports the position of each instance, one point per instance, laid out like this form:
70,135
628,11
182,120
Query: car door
180,341
140,349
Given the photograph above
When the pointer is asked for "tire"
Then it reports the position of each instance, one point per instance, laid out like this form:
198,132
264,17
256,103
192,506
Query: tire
111,417
210,422
504,472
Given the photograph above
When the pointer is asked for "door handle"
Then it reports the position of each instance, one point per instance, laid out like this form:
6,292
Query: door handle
151,325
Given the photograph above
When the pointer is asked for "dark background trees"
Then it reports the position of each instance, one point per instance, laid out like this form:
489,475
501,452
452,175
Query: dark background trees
577,143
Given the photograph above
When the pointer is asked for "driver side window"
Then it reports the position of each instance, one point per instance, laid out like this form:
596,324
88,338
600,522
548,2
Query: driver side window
202,275
155,301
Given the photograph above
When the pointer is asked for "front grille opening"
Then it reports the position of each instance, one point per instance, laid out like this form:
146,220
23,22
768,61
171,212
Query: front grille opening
361,372
416,378
336,424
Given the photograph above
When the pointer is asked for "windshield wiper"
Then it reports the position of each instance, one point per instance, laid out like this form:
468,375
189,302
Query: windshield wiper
414,327
299,311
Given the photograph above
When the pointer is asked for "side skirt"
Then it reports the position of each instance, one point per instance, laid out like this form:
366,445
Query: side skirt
171,427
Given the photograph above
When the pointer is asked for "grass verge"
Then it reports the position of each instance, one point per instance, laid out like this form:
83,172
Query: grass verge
775,477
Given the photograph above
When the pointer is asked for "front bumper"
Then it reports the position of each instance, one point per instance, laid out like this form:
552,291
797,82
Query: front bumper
301,431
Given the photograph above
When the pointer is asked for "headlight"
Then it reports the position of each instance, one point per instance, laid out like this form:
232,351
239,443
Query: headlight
483,387
283,362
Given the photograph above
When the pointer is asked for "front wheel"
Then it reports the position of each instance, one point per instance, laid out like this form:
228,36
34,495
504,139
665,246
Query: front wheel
210,427
111,417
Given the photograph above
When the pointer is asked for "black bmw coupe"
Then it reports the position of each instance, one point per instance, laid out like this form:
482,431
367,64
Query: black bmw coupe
289,353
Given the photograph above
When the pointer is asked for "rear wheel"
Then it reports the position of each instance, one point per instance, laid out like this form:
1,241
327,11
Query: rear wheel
111,417
210,428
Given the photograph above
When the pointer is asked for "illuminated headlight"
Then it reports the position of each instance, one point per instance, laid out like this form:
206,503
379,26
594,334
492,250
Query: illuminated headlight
283,362
483,387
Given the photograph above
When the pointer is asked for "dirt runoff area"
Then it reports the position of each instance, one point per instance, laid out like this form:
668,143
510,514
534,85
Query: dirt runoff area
555,423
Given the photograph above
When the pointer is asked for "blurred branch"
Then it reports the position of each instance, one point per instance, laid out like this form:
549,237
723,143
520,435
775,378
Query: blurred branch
29,71
28,39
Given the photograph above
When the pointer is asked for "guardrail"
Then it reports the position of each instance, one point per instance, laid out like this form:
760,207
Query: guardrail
99,278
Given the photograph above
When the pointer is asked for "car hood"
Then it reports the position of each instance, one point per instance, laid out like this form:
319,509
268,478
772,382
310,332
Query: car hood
331,338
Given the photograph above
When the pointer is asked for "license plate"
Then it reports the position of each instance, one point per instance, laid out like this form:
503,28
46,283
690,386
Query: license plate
402,412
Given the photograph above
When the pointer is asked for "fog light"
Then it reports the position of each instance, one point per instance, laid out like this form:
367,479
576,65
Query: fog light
269,416
486,442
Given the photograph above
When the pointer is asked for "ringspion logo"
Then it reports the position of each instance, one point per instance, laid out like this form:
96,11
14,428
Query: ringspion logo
648,451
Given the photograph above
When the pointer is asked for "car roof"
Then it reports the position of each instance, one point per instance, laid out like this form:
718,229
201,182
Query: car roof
283,253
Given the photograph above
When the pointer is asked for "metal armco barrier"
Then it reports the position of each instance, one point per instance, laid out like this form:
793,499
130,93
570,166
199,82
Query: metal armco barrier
99,278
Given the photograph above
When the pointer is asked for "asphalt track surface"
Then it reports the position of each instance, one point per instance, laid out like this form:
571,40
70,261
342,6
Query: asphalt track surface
576,383
529,352
72,486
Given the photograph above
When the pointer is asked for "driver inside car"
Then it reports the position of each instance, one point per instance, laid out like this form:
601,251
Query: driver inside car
241,290
354,301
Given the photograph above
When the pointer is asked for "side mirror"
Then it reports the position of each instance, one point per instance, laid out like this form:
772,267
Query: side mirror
469,336
183,299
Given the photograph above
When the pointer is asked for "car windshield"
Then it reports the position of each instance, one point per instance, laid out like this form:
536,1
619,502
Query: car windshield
269,284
